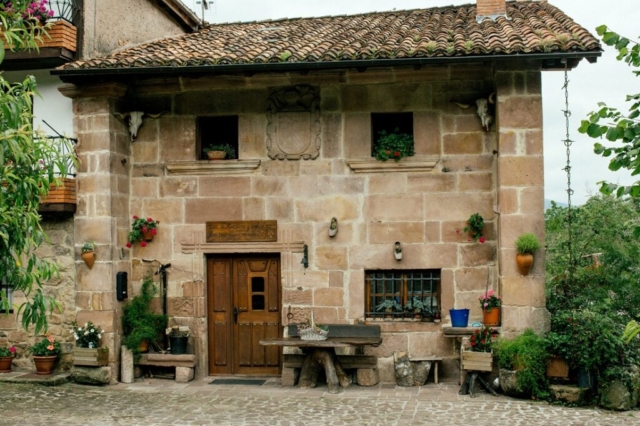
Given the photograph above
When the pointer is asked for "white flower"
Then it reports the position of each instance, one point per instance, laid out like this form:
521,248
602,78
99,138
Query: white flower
86,332
99,336
92,330
79,328
86,324
76,336
91,345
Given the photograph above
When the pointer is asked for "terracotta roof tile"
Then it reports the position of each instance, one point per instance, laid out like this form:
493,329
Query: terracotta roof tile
533,27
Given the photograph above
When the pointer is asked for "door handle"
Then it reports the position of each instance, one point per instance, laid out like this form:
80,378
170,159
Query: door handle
235,315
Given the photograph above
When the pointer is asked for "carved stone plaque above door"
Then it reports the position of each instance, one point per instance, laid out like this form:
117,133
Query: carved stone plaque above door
293,123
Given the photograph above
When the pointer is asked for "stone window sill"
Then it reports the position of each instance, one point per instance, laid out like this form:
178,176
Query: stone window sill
408,164
220,167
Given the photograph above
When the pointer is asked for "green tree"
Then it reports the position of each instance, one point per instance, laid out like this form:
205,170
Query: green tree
603,226
27,168
622,131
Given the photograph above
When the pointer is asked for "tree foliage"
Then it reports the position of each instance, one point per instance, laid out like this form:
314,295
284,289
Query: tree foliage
28,165
621,130
607,269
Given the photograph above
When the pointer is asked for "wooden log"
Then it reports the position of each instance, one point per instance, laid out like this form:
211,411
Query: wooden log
327,358
309,372
342,376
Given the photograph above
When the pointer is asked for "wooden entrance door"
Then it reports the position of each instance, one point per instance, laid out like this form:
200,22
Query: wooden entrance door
243,305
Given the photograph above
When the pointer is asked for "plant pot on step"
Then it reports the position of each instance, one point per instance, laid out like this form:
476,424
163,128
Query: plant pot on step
525,262
491,317
5,364
89,258
44,364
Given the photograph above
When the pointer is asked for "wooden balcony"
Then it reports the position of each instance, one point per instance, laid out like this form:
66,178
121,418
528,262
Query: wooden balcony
61,199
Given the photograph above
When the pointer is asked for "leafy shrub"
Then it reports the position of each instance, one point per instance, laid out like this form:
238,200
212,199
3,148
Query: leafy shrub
527,244
527,354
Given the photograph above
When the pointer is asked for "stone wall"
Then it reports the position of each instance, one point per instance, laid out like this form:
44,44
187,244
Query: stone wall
426,210
59,250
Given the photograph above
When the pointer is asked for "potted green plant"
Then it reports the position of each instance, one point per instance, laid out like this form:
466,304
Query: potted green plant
394,145
6,358
490,304
220,152
523,364
416,307
475,225
388,306
45,354
142,230
88,254
526,244
139,324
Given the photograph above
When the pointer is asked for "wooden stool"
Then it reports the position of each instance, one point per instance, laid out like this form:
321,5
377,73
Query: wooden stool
434,359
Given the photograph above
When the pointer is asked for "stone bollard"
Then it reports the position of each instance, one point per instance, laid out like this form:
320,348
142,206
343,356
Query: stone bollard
421,371
126,365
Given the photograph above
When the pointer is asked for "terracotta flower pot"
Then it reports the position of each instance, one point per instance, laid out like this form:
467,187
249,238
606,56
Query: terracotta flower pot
148,236
44,364
89,258
491,318
5,364
216,155
525,262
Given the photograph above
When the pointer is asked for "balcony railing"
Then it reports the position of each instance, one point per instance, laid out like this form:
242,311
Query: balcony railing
68,10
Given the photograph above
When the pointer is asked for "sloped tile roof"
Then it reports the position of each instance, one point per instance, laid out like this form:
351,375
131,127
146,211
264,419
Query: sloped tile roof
532,27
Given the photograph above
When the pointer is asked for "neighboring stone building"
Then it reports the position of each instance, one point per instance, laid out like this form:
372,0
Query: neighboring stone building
302,101
79,30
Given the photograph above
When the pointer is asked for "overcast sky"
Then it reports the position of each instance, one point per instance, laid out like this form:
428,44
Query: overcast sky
608,80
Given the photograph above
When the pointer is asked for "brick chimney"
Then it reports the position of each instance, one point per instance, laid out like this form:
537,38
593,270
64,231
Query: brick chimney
491,9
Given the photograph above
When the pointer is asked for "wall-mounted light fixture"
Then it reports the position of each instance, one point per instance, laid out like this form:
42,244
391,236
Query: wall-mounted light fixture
397,251
333,227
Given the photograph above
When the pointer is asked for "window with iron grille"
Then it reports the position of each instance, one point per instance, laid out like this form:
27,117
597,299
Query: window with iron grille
397,295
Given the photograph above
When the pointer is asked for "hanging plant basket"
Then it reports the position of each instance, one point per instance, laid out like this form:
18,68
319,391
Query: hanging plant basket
89,258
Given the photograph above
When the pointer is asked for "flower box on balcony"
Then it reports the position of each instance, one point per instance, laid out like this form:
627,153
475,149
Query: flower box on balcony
61,34
65,193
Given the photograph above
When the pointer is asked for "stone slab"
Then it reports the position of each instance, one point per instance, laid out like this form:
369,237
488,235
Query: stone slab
184,374
91,375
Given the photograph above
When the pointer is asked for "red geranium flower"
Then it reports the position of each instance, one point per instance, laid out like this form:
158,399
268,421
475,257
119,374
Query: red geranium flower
153,231
482,240
143,243
129,245
397,153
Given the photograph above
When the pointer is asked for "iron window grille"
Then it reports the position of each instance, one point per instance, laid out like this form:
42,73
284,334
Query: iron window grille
68,10
401,287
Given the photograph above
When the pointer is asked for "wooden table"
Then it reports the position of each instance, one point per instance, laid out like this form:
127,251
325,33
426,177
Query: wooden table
322,352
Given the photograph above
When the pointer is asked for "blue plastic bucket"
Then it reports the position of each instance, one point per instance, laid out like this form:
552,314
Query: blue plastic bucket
459,317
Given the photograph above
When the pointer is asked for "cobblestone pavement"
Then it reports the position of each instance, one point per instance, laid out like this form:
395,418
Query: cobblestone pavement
163,402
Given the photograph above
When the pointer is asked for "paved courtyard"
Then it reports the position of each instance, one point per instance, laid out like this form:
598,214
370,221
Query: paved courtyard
163,402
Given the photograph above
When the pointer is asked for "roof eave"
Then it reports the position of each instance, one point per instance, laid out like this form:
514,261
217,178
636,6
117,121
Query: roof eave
552,58
181,14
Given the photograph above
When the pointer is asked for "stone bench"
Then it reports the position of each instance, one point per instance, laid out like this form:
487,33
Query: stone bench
184,364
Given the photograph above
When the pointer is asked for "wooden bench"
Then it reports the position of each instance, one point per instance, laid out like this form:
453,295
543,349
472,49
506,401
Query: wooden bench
322,352
435,360
184,364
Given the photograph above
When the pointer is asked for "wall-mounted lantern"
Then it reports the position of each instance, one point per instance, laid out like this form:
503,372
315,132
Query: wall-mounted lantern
397,251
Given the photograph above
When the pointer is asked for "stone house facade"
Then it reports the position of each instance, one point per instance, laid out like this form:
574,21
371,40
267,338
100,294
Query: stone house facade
303,113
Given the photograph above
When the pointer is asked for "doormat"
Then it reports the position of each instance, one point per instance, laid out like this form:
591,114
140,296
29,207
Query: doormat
237,382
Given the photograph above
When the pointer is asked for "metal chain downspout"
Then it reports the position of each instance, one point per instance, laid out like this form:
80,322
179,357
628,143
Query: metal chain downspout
567,143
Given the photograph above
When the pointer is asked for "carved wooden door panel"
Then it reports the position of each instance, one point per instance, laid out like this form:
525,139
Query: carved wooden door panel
244,307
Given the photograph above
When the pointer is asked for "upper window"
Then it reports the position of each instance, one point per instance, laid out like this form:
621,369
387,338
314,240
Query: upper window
392,135
402,295
217,132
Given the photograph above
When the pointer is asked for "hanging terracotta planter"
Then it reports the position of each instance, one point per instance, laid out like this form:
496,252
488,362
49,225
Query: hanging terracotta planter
44,364
525,263
89,258
5,364
148,236
492,317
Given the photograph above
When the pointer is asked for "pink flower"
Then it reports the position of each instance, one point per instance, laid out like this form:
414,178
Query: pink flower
129,245
135,217
490,293
486,305
12,349
144,229
50,347
153,231
482,240
143,244
149,220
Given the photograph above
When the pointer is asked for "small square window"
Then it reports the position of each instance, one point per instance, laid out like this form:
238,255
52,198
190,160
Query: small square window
400,123
221,130
402,295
